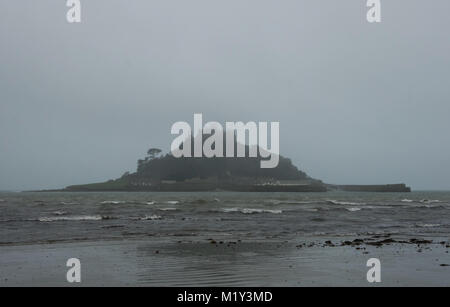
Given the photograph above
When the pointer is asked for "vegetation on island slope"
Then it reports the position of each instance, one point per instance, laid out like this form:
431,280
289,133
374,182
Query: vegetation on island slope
156,168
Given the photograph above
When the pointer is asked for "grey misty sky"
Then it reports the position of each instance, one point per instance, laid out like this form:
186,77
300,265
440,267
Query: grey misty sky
357,102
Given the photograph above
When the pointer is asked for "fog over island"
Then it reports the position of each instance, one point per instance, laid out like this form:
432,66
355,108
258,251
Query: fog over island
357,102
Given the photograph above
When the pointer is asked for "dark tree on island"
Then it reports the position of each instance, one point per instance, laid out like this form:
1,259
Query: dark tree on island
153,153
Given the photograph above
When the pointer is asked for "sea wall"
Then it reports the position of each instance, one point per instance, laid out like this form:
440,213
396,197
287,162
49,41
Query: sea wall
401,187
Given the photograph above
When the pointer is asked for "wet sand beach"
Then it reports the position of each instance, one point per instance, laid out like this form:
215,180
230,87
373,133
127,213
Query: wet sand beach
224,262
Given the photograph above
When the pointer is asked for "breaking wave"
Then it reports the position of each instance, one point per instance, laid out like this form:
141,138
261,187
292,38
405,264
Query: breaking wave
150,218
173,202
430,201
250,210
353,209
112,202
311,209
294,202
73,218
428,225
378,207
428,206
345,203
